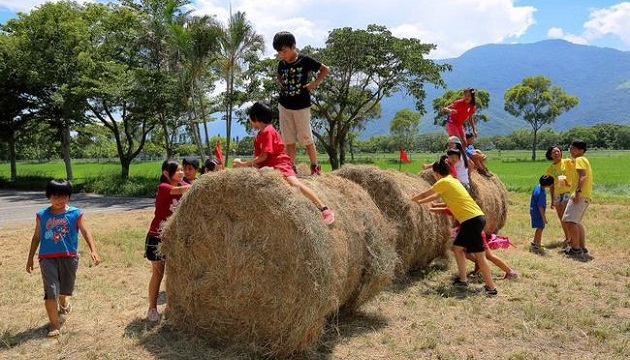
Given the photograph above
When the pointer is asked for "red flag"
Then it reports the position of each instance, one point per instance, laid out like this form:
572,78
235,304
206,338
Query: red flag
404,157
217,151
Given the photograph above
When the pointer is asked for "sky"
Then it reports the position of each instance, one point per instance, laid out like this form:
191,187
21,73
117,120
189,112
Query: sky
453,25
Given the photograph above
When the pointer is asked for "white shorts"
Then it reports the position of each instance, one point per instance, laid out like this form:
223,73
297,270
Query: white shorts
575,210
561,198
295,126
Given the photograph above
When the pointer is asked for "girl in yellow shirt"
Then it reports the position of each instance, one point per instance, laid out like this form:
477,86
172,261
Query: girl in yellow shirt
468,214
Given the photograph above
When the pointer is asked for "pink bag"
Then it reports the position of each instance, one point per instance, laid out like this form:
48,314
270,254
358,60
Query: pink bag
498,242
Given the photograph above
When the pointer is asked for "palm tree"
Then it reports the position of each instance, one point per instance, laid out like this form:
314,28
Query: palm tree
238,43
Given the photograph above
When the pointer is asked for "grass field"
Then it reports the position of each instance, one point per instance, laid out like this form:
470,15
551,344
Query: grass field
611,170
559,308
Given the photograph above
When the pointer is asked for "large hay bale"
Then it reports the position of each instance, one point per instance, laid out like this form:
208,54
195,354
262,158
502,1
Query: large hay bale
489,193
251,264
421,235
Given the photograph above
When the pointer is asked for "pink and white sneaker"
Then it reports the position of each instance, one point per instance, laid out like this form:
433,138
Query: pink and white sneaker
328,216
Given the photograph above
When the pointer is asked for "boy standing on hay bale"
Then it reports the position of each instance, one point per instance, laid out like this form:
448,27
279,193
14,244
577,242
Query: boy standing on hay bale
295,96
57,236
269,152
468,214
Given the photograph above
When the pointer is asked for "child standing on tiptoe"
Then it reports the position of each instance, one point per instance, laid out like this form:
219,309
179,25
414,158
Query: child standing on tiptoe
295,97
269,151
57,236
169,192
472,220
537,209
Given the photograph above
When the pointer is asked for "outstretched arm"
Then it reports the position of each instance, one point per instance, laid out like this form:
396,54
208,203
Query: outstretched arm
425,197
255,161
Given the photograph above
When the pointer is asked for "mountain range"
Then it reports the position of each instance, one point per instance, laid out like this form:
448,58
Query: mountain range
599,77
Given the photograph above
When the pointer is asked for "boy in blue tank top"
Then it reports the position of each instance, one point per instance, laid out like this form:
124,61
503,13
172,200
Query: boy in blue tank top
56,234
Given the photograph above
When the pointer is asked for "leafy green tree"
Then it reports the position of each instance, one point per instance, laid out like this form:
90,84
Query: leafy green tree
404,127
537,103
366,66
15,102
53,38
239,45
482,101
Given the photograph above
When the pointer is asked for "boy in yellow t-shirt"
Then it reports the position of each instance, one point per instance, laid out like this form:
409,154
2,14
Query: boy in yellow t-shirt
579,201
472,221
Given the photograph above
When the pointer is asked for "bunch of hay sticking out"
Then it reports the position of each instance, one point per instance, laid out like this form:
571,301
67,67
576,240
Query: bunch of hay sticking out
422,236
251,264
489,193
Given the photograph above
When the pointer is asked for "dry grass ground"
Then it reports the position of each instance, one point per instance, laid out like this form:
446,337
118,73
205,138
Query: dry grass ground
559,308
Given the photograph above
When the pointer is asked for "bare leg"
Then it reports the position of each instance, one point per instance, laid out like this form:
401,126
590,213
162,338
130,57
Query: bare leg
460,258
574,234
582,238
497,261
485,270
306,191
538,236
53,315
157,273
290,150
311,151
560,211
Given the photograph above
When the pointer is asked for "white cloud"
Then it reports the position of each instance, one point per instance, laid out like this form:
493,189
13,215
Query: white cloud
454,25
614,20
558,33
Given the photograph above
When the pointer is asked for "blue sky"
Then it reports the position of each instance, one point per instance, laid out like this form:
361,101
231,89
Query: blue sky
453,25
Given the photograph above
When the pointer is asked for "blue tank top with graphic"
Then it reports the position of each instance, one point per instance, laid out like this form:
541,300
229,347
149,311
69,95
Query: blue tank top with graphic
59,233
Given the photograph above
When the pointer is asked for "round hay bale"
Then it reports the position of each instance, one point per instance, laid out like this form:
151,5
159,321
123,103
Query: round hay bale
251,264
303,169
421,235
489,193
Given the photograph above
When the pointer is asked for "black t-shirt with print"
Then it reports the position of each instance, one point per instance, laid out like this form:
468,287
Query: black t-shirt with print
294,76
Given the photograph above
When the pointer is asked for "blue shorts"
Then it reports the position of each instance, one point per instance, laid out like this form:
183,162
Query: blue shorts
537,221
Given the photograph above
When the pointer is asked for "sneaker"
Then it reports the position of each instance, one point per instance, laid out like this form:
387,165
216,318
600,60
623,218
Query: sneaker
329,216
54,333
584,251
490,292
535,248
573,252
459,283
512,274
316,170
153,315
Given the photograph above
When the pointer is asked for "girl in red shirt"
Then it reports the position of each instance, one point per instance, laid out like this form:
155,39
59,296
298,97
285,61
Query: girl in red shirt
169,192
460,111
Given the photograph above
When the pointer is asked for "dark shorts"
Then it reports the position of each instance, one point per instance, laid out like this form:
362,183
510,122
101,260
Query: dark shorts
151,248
537,221
59,275
469,235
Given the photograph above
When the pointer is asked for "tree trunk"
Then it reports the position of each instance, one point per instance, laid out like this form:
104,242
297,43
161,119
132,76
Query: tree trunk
204,116
228,119
65,149
332,156
167,140
125,164
12,156
534,146
342,152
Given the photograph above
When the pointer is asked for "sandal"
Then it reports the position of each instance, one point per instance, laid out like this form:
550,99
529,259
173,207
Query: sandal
54,333
65,310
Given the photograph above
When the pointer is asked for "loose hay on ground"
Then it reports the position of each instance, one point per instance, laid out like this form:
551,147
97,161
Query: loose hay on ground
421,235
251,264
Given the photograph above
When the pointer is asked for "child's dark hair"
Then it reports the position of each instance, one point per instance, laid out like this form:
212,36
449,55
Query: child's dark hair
260,112
580,144
472,95
171,167
283,39
469,135
192,161
550,150
58,188
454,152
211,163
546,180
441,166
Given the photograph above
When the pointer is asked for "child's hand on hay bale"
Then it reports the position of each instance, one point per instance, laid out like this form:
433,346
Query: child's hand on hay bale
238,163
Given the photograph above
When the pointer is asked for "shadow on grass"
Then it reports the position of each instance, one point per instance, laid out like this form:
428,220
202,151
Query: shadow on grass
9,340
165,342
